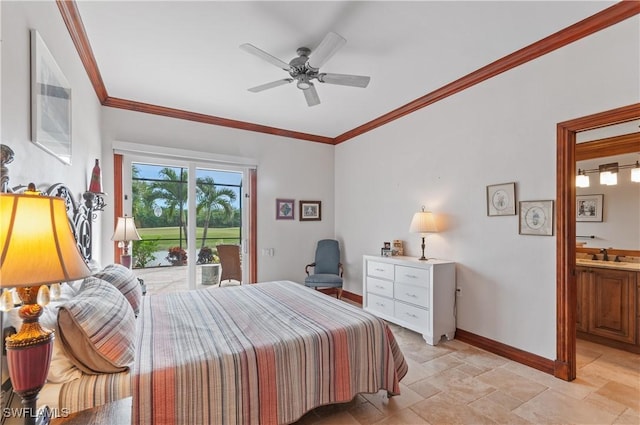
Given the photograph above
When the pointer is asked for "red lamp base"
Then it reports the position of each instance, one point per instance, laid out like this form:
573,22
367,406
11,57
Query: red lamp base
29,355
125,260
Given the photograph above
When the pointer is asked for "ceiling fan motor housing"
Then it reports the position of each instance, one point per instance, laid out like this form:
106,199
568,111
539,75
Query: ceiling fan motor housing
300,69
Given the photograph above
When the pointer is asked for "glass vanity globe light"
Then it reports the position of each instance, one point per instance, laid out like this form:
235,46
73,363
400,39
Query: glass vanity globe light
608,178
635,173
582,180
613,179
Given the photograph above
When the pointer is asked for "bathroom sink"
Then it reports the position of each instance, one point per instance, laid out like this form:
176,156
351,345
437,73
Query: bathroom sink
608,264
589,260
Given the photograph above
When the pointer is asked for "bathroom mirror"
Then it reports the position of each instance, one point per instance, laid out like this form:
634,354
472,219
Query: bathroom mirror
619,227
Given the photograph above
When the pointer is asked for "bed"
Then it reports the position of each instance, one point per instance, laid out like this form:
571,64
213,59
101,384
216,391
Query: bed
264,353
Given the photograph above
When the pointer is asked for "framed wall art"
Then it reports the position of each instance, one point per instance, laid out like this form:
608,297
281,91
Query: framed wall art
536,218
50,102
501,199
310,210
285,209
589,207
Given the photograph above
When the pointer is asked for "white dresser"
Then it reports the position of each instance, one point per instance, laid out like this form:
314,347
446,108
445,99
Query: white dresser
417,295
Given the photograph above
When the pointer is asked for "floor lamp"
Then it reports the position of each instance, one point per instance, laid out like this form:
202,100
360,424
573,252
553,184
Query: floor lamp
37,248
125,232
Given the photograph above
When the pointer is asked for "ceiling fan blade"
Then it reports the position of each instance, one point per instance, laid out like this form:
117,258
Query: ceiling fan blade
327,48
311,95
270,85
345,79
250,48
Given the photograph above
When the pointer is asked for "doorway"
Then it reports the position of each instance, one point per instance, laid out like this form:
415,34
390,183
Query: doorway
165,195
566,296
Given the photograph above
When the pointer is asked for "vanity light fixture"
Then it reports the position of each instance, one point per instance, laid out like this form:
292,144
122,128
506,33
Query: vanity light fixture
608,174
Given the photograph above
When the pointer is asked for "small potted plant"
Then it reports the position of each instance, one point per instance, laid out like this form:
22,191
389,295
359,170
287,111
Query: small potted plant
205,256
177,256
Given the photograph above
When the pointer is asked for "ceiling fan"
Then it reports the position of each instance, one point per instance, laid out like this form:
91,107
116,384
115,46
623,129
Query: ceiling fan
306,67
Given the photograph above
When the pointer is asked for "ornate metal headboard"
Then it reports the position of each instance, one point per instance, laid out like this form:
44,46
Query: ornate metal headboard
80,214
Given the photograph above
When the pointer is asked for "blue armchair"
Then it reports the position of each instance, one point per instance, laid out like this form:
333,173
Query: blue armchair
327,268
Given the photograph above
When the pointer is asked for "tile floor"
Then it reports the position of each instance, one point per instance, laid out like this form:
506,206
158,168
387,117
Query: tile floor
455,383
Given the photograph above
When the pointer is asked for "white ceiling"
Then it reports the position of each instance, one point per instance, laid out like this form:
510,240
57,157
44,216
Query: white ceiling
185,54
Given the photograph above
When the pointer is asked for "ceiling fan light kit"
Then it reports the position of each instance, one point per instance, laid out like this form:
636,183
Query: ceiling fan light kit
306,67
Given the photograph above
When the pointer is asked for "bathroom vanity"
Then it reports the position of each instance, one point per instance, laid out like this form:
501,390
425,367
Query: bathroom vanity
608,294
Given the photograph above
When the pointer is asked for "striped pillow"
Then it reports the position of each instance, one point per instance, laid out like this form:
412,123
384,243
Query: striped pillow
97,328
123,278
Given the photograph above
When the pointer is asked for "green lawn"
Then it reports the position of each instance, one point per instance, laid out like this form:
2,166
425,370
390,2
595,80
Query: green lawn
214,235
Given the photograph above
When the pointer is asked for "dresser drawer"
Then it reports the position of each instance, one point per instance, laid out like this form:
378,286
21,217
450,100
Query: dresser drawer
413,275
382,270
380,304
418,317
380,287
413,294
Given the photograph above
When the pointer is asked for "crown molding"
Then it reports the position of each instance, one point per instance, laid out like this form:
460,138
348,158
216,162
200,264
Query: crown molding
610,16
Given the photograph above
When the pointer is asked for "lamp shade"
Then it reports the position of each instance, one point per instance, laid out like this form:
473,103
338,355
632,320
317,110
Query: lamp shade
125,230
37,246
423,222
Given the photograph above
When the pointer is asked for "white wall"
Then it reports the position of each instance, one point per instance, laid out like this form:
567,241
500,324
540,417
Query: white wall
620,225
444,156
32,164
286,168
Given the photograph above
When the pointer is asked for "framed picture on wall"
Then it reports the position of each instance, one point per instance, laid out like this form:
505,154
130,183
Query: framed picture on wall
501,199
285,209
310,210
589,207
536,218
50,102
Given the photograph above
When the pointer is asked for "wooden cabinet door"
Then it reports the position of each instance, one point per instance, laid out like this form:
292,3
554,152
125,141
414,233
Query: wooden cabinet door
583,285
612,307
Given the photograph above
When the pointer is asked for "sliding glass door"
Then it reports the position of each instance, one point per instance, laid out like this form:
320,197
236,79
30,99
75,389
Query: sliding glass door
165,199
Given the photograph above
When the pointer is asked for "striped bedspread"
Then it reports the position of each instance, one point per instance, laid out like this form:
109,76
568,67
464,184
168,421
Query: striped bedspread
94,390
256,354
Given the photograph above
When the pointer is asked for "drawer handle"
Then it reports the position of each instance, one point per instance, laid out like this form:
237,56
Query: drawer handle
379,270
411,295
411,276
379,286
411,315
380,304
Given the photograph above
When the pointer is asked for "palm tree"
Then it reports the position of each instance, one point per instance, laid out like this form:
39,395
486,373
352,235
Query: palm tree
210,199
173,191
142,199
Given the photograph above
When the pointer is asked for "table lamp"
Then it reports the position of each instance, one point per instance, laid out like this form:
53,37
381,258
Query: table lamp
423,222
37,247
125,232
